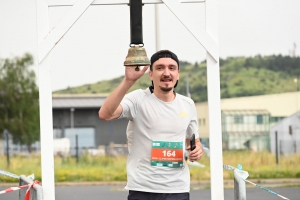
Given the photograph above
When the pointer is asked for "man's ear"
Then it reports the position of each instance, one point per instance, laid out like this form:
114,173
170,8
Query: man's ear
150,75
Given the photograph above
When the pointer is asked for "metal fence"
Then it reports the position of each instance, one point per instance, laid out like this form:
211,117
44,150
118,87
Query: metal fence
60,150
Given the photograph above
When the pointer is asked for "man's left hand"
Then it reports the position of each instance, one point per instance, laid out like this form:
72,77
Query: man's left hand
196,154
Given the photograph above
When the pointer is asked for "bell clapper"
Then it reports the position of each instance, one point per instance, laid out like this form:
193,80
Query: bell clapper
137,68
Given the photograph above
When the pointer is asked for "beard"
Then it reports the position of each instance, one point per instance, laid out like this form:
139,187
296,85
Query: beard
166,89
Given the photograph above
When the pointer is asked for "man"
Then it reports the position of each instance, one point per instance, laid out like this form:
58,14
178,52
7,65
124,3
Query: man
160,125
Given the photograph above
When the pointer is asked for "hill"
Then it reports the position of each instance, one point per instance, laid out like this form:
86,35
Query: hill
239,76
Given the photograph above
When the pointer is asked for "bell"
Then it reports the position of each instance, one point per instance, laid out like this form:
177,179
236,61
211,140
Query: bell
136,56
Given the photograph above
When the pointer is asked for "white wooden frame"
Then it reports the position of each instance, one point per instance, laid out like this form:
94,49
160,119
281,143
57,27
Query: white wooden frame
47,40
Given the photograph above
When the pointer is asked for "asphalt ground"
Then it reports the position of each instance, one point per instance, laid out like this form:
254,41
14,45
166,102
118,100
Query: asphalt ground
115,191
118,193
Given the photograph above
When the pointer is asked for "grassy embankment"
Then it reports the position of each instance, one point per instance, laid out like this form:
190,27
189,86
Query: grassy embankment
259,165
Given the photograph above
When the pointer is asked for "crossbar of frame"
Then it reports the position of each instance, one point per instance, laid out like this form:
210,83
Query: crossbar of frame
54,3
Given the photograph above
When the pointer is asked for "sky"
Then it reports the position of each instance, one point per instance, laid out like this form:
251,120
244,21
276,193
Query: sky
95,48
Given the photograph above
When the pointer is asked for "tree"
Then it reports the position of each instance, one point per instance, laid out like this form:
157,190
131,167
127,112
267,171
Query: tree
19,108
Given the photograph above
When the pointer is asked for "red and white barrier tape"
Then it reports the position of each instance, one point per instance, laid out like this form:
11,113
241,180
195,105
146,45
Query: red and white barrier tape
27,196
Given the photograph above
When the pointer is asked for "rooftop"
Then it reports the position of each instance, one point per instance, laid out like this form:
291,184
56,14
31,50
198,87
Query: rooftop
78,101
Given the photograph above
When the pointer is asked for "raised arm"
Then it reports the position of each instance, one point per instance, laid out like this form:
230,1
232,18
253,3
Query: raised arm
111,108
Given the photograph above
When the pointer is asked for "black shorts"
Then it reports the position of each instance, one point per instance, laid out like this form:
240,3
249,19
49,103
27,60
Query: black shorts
137,195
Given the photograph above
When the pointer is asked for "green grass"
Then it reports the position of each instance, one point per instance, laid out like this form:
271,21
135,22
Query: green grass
260,165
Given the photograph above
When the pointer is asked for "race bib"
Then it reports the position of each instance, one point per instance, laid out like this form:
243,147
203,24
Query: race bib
167,154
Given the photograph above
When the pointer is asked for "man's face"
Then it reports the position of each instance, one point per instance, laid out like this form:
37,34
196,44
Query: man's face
164,74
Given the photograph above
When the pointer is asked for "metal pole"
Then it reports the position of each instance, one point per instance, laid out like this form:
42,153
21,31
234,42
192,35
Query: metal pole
111,139
36,192
72,118
111,143
77,155
72,125
276,146
7,147
239,187
188,94
296,88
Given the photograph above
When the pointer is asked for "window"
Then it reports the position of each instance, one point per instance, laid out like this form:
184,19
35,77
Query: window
259,119
275,119
86,138
238,119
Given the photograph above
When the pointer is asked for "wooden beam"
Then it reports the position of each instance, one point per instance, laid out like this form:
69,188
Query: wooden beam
62,28
111,2
214,105
189,22
45,103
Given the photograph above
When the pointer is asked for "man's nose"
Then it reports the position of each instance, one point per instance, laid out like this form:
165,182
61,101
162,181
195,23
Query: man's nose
166,72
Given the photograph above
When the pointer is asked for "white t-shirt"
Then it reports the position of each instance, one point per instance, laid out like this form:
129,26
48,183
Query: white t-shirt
129,133
156,120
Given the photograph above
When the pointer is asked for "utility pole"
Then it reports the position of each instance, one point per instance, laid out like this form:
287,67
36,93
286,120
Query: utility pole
7,146
188,94
276,146
73,133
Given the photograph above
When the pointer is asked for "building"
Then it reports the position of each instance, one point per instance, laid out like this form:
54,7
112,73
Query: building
78,115
245,129
246,121
270,108
286,133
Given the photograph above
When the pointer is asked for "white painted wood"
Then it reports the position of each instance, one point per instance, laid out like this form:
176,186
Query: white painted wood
111,2
214,106
48,41
45,97
188,21
62,28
